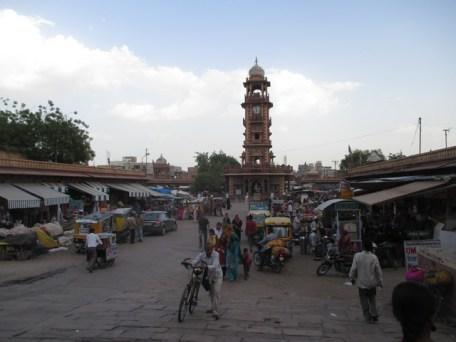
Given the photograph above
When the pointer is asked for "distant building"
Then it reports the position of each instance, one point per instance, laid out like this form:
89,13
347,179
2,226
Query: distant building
317,170
159,168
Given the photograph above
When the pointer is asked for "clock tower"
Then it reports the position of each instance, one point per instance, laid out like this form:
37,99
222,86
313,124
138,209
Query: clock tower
257,177
257,135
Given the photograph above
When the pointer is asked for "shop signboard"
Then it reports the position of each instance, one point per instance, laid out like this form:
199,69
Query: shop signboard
411,248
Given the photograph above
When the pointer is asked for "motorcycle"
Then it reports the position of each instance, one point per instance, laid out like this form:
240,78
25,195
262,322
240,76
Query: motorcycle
264,257
341,263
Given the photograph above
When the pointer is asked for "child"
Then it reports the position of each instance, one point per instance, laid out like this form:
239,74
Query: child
212,238
246,261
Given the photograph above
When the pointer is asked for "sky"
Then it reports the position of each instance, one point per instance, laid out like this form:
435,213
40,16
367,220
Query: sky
167,75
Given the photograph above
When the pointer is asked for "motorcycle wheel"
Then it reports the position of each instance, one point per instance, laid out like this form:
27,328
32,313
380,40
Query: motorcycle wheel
257,259
323,269
277,267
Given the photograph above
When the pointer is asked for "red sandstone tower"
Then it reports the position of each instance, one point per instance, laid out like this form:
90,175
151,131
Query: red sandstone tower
258,176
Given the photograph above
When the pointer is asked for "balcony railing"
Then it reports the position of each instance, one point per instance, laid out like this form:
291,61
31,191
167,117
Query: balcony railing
25,164
279,169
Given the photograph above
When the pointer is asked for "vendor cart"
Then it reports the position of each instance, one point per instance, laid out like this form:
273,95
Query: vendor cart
18,247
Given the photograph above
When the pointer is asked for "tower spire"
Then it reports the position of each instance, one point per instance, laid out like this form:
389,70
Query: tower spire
256,60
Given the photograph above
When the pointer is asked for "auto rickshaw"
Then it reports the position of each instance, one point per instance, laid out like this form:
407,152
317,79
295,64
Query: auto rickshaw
283,228
120,223
101,223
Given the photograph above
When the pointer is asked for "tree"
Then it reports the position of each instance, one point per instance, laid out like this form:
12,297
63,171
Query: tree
210,171
358,158
46,134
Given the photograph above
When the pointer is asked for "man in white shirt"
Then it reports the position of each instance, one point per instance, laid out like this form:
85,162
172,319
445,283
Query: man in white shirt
92,241
367,274
215,276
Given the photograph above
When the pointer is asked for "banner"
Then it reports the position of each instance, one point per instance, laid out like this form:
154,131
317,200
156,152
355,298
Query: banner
411,248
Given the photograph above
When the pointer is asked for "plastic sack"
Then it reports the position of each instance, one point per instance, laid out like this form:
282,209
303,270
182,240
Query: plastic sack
415,274
46,240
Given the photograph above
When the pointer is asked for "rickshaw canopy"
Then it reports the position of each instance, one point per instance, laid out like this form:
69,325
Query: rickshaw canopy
278,221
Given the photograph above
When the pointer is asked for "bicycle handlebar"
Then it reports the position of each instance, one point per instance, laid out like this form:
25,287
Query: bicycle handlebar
186,262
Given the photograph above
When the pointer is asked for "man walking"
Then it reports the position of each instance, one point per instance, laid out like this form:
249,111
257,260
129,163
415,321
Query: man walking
367,274
203,224
215,276
92,241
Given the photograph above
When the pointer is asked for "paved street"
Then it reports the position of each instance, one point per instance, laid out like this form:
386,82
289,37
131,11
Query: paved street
137,299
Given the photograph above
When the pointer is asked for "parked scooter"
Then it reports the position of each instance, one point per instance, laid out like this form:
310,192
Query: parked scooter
341,263
263,257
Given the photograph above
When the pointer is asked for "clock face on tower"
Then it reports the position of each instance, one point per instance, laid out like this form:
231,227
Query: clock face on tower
256,109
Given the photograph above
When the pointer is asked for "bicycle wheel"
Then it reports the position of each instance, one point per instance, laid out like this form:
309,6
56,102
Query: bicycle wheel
183,305
193,299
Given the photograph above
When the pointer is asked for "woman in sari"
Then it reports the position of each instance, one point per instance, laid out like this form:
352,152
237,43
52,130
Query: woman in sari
232,254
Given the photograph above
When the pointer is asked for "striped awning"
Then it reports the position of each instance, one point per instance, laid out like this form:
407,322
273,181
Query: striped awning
99,186
132,190
18,199
49,196
98,196
147,192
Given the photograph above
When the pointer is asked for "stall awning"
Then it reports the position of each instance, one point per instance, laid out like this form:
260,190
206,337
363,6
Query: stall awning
49,196
329,203
99,186
97,195
397,192
132,190
146,190
18,199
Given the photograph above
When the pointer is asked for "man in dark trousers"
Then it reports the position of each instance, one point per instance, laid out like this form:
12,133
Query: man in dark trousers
203,224
367,274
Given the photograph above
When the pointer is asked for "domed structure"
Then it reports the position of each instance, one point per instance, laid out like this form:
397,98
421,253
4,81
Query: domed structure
256,70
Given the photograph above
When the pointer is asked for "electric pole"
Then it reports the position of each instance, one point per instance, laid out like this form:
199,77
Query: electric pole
446,131
335,164
145,168
419,124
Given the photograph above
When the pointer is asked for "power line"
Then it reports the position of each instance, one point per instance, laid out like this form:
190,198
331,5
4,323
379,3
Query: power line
338,141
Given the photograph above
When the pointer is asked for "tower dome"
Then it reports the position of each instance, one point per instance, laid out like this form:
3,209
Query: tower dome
256,70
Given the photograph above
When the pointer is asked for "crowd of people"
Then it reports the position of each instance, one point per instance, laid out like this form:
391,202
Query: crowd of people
413,304
225,239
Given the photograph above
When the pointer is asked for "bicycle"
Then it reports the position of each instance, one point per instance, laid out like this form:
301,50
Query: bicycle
189,299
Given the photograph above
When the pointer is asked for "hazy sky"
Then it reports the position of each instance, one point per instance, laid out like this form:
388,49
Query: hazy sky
167,75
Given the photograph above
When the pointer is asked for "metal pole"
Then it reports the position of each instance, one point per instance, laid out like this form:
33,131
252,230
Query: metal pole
446,130
419,123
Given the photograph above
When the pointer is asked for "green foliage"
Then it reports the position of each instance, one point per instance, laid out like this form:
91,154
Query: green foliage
357,158
210,171
47,134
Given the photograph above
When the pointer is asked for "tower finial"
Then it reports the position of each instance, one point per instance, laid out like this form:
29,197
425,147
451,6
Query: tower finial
256,60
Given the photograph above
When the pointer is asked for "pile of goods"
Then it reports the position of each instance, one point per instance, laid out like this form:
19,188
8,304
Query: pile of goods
21,242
